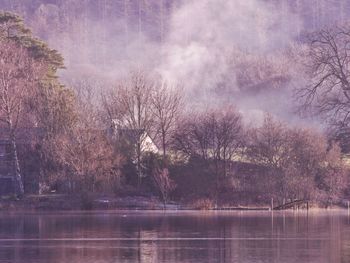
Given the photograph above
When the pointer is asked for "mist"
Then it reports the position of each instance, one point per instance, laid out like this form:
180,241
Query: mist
217,51
212,45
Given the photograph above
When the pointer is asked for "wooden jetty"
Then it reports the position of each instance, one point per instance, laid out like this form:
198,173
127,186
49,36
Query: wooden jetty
292,204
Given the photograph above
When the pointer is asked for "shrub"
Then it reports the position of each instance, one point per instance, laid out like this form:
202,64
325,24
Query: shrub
203,204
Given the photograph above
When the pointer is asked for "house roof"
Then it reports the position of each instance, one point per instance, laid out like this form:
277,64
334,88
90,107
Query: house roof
133,135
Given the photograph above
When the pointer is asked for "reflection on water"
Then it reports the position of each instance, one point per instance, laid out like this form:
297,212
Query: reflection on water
320,237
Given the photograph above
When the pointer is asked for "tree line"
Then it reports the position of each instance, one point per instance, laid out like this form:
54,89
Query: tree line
141,136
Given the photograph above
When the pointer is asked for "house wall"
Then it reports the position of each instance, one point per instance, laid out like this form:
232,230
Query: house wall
148,145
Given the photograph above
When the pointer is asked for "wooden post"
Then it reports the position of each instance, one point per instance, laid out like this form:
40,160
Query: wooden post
271,204
348,205
307,205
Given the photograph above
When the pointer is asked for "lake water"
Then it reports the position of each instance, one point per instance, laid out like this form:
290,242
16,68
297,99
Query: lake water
322,237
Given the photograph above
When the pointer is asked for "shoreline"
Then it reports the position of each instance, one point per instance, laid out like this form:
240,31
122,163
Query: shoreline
65,203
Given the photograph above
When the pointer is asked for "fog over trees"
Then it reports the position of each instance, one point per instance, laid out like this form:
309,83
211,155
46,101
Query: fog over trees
227,48
210,102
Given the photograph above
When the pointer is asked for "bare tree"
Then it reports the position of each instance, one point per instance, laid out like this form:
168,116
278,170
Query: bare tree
192,136
271,146
88,96
215,136
266,143
166,106
88,158
85,152
328,64
129,108
19,73
164,183
212,135
300,163
229,130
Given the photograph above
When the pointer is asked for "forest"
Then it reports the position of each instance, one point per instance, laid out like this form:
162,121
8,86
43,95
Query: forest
204,103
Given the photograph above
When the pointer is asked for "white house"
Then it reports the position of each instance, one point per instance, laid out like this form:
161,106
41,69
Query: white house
133,136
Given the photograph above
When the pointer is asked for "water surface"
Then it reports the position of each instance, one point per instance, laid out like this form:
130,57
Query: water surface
253,237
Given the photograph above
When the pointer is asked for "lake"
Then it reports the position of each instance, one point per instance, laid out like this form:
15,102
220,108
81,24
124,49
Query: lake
153,236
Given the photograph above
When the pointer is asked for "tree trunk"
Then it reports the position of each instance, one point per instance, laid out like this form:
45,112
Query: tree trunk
18,179
164,146
216,182
138,164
